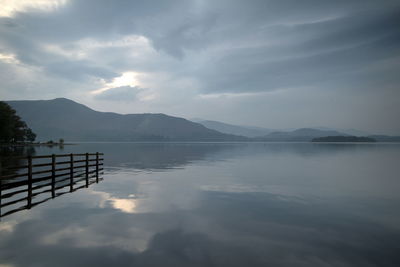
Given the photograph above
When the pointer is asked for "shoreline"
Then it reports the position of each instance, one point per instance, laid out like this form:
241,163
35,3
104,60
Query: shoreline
33,144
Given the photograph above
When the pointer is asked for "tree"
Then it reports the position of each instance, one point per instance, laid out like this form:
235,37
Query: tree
12,128
30,136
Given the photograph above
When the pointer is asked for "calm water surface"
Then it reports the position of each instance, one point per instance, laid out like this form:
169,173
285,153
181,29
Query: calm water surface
220,204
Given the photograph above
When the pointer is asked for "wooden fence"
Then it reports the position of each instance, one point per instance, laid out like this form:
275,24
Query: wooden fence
37,176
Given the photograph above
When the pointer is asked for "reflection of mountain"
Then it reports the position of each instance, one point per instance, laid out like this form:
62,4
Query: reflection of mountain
63,118
193,217
158,156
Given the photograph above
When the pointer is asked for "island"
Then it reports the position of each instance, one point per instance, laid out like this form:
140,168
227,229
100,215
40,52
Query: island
344,139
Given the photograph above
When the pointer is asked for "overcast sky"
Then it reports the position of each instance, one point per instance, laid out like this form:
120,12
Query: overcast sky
271,63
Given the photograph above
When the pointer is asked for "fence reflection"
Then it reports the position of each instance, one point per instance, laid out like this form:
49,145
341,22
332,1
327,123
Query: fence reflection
38,179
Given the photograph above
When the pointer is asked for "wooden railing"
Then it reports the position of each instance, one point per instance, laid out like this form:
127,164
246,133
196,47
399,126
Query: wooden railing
50,174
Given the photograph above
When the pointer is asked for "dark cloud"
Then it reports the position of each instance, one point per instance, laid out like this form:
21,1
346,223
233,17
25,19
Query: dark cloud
178,26
218,46
320,52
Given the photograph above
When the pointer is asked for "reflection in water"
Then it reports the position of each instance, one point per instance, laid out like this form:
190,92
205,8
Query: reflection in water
162,156
220,205
48,189
30,181
11,156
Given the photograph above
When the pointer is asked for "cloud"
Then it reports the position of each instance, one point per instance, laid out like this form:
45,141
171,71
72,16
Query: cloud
120,94
221,47
10,8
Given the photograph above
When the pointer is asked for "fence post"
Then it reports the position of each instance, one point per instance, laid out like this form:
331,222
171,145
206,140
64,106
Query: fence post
97,167
1,186
29,182
53,175
71,172
87,169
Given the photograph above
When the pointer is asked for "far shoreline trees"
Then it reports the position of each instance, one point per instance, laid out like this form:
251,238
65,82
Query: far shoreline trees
12,128
344,139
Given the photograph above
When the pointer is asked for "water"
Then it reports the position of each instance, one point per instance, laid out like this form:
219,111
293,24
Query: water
218,204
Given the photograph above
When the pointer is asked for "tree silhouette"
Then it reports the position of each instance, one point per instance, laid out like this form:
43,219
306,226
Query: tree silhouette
30,136
12,128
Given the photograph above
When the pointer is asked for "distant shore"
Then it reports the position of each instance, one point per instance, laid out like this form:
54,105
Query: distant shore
343,139
48,144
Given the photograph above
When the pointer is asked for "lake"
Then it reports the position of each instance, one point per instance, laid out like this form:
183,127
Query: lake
218,204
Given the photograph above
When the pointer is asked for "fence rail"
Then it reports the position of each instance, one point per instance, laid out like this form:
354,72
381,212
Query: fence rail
30,180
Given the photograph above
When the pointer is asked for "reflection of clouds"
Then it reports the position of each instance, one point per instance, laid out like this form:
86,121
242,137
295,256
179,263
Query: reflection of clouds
249,211
225,229
149,192
76,235
127,205
246,188
58,236
280,192
8,226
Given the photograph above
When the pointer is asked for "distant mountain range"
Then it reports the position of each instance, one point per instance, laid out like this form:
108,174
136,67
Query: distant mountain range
64,118
353,132
342,139
253,131
289,135
299,135
248,131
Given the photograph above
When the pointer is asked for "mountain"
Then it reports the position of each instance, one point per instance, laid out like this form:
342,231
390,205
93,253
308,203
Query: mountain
344,139
385,138
64,118
258,132
248,131
353,132
299,135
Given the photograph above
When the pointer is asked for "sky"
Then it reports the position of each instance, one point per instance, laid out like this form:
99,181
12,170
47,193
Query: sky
269,63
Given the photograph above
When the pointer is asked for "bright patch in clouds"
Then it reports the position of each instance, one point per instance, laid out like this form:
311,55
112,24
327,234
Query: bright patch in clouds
126,79
125,88
10,7
8,58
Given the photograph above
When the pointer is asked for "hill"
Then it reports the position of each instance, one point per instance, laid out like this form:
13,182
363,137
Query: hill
64,118
222,127
344,139
347,131
385,138
299,135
